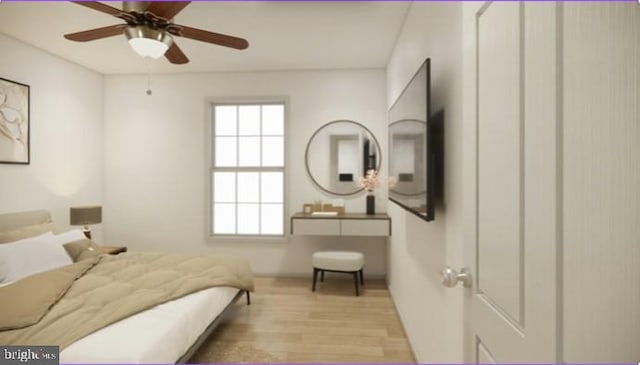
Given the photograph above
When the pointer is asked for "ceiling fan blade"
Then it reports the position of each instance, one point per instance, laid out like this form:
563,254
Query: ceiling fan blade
99,7
167,9
98,33
175,55
210,37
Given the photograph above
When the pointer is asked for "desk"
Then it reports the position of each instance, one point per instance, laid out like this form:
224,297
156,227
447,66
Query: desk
348,224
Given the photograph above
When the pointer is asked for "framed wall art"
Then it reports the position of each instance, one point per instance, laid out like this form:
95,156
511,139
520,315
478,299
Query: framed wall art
14,122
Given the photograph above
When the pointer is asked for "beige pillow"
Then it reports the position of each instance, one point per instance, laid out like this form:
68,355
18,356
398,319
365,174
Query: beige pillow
82,249
26,232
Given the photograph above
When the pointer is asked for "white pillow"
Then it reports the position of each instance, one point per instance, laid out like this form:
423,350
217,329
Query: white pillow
7,254
70,236
30,256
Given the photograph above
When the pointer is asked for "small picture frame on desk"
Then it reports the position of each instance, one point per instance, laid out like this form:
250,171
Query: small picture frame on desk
307,208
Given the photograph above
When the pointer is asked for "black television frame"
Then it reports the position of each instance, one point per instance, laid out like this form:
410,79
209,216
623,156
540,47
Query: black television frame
429,157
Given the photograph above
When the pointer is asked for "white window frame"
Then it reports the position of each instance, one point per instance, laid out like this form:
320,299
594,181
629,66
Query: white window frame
210,168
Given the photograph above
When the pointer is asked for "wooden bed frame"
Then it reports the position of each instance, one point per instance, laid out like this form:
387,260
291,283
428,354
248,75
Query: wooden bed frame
10,221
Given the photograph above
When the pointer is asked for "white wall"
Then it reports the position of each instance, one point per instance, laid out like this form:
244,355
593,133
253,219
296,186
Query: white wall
431,314
156,159
66,134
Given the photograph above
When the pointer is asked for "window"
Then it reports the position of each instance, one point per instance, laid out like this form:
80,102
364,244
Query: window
247,170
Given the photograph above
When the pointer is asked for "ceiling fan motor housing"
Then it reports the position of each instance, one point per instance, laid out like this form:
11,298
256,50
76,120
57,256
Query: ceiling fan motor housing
137,6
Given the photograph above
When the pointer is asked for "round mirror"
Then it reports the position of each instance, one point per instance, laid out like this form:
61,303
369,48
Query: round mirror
339,153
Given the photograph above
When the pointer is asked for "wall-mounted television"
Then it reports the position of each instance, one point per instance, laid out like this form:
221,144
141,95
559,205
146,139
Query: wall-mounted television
411,155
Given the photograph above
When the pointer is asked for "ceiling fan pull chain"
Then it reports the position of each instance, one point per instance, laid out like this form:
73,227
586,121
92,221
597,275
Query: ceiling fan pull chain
149,92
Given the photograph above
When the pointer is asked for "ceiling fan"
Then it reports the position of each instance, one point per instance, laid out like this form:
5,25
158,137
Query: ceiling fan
150,29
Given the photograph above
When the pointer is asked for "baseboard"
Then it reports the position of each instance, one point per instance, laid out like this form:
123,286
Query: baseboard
404,329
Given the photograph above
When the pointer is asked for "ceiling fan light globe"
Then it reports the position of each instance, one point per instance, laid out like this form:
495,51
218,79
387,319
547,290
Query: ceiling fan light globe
148,47
148,42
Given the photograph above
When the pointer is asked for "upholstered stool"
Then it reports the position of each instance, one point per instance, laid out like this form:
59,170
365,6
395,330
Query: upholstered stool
338,261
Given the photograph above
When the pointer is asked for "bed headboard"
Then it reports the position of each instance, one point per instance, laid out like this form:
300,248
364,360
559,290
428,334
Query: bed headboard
9,221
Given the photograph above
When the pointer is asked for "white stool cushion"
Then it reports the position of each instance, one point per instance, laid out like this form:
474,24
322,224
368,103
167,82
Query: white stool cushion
338,260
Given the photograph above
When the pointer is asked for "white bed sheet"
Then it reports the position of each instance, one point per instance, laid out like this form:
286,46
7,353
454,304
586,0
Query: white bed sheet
159,335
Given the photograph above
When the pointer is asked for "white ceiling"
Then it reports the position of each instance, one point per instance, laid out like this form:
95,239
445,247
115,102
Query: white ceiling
281,35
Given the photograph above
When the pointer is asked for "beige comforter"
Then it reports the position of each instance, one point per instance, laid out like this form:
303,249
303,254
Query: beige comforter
61,306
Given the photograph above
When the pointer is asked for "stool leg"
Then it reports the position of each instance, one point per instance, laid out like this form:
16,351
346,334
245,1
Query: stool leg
315,277
355,280
361,278
248,298
322,276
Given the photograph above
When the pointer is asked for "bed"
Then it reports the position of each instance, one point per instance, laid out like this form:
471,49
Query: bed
168,332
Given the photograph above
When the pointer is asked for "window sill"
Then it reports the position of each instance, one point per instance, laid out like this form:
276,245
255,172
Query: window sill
247,239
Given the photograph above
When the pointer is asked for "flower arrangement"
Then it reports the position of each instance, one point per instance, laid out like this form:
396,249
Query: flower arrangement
370,181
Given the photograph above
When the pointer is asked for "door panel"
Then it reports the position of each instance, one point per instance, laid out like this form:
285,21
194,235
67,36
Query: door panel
514,306
482,355
499,160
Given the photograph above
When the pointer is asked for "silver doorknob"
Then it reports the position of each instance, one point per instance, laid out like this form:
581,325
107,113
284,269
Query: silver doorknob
450,277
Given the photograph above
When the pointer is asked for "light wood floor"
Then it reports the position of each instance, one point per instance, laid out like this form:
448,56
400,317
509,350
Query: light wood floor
287,322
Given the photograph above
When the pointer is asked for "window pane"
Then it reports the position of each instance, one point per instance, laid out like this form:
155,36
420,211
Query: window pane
273,151
248,218
224,219
271,187
226,151
249,151
273,120
248,187
271,222
249,119
247,175
225,116
224,187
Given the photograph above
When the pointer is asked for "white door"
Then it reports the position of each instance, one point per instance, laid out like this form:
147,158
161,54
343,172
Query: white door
551,106
512,305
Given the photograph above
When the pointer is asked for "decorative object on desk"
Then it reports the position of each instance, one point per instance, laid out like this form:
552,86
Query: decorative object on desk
14,122
307,208
369,182
371,203
317,206
332,208
83,216
327,213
